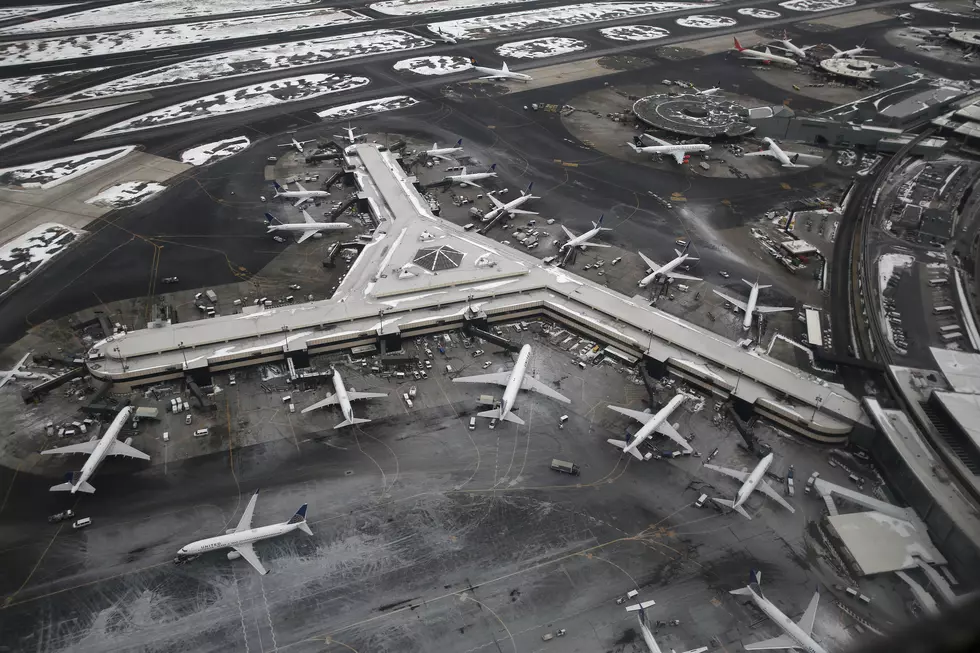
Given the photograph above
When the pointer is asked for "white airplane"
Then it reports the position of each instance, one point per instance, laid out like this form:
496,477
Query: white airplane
513,382
297,145
751,307
714,90
679,152
307,229
853,53
499,73
750,483
243,536
766,57
652,423
511,207
302,194
645,631
667,269
789,46
15,372
786,158
97,450
467,179
796,635
343,396
583,240
350,137
442,152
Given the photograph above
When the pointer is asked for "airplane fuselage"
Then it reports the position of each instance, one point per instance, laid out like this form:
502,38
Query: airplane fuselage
648,638
304,194
748,487
651,427
788,626
670,149
443,151
308,226
583,238
342,398
750,306
662,271
513,204
236,539
472,176
102,449
514,382
768,58
501,74
795,49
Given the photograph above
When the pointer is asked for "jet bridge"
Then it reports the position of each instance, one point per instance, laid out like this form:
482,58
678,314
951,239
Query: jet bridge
827,489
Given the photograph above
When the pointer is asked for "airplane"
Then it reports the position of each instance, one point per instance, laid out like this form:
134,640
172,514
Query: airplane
15,372
511,207
750,482
241,538
297,145
853,53
440,152
796,635
652,423
645,631
465,179
350,137
343,397
308,229
583,240
786,158
766,57
789,46
714,90
107,445
499,73
751,307
303,194
679,152
667,270
516,380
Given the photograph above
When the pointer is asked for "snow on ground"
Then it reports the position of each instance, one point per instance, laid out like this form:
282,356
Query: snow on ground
419,7
936,8
523,21
17,131
702,21
549,46
46,174
14,88
356,109
208,153
126,193
24,254
147,38
8,13
243,98
634,32
144,11
888,266
765,14
816,5
434,65
281,56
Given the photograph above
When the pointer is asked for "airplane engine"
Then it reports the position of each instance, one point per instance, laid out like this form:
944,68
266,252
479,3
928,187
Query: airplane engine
128,441
234,555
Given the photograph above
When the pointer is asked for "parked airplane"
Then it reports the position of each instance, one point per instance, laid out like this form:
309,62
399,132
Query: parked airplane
786,158
645,630
667,269
511,207
679,152
853,53
750,483
516,380
714,90
583,240
789,46
97,450
467,179
441,152
652,423
796,635
751,307
243,536
350,137
500,73
343,397
307,229
15,372
766,57
303,194
297,145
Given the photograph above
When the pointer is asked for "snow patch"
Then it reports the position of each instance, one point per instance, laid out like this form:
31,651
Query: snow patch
14,88
434,65
419,7
816,5
355,109
549,46
888,266
703,21
9,13
127,193
47,174
936,8
23,255
755,12
203,155
18,131
634,32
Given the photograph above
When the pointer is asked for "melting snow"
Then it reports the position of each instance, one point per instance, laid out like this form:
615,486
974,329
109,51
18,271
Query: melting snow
634,32
816,5
13,88
936,8
754,12
702,21
46,174
8,13
356,109
549,46
888,266
419,7
24,254
202,155
434,65
17,131
126,193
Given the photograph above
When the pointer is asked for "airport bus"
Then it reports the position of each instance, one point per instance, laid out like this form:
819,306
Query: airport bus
950,337
949,328
943,310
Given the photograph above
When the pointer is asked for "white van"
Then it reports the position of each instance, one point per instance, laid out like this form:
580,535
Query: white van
82,523
701,500
292,407
449,369
472,423
200,433
166,436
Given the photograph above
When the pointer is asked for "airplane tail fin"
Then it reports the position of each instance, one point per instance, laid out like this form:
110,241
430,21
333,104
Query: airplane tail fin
459,143
72,485
493,168
738,46
279,189
505,68
508,416
356,420
731,504
300,518
754,585
271,219
528,191
622,444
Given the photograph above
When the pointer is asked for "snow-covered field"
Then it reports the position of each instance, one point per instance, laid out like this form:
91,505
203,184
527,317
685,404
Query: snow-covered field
281,56
243,98
13,88
25,254
142,11
46,174
208,153
525,21
126,193
419,7
702,21
147,38
434,65
754,12
936,8
634,32
7,13
816,5
18,131
548,46
356,109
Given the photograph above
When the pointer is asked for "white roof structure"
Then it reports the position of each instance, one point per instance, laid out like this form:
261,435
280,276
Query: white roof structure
423,274
879,543
961,369
965,409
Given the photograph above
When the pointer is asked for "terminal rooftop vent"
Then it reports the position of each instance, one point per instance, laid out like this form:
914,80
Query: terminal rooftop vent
438,258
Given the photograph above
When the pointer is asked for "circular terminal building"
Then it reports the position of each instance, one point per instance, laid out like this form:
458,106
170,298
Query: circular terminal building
969,37
694,115
858,69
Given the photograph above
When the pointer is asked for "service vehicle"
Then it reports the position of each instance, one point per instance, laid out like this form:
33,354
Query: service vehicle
82,523
472,423
61,516
170,280
701,500
564,467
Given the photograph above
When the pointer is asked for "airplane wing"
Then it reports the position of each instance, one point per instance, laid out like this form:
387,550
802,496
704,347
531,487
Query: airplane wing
666,429
308,217
245,522
802,155
737,302
767,490
521,212
740,476
640,606
365,395
442,157
534,385
497,203
772,309
701,649
781,642
500,378
306,235
300,186
567,232
248,553
84,447
329,401
302,200
592,245
120,448
658,141
639,416
470,183
810,615
678,275
650,263
679,156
